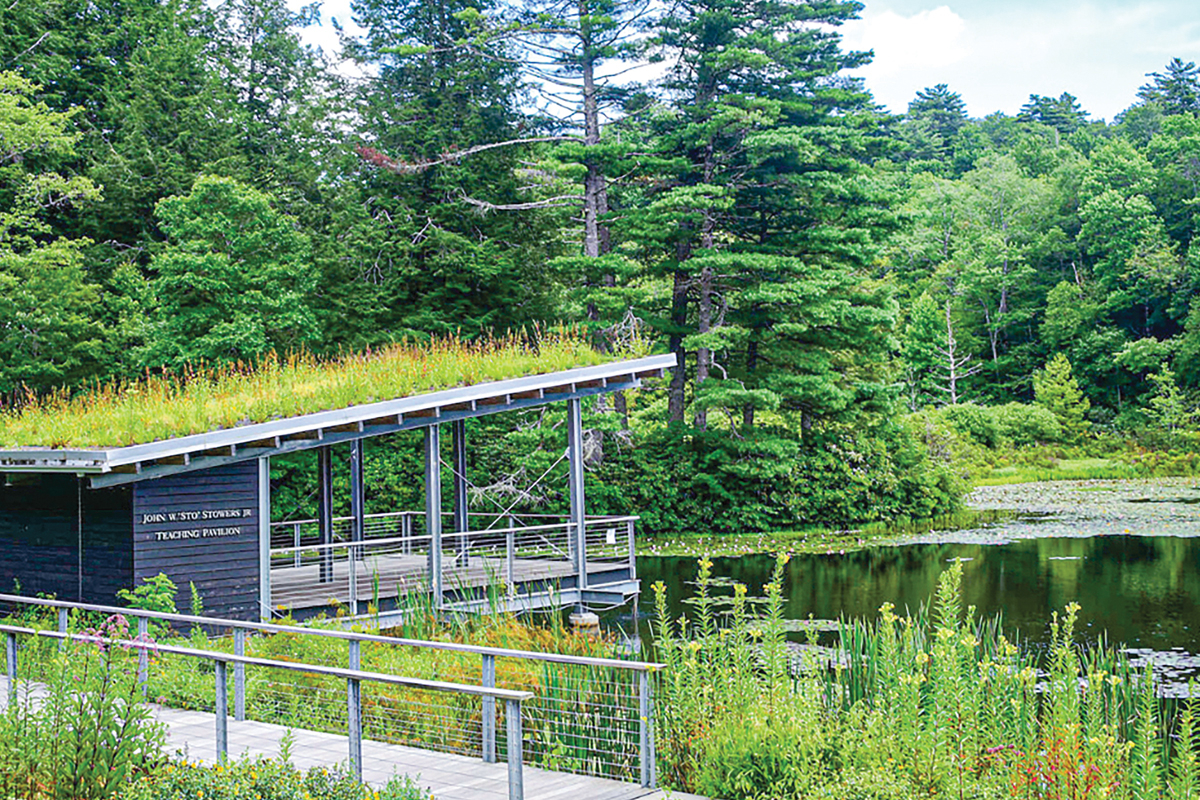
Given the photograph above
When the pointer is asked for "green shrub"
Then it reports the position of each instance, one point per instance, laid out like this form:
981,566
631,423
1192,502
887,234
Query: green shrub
1024,424
262,779
978,422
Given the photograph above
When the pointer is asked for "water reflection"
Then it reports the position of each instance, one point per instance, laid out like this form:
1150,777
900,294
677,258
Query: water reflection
1144,591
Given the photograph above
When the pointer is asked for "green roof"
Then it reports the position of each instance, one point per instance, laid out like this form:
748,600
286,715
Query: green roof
207,399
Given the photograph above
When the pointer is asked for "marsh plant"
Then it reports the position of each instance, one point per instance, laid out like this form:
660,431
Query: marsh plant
936,704
82,731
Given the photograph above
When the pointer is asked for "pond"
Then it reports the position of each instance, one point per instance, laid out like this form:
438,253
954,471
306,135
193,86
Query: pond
1127,552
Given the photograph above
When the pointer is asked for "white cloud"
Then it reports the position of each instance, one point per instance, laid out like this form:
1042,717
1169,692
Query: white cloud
997,54
928,39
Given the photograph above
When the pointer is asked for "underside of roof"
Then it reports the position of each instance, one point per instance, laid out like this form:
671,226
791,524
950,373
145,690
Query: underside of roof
113,466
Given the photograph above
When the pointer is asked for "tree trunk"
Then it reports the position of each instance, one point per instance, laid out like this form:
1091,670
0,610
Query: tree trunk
675,402
704,325
751,365
704,314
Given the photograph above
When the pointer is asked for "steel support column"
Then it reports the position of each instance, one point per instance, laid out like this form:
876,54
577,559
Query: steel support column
577,534
264,538
462,523
357,517
325,510
433,509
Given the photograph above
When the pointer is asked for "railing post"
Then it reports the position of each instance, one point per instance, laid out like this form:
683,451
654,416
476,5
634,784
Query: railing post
64,622
296,544
516,753
239,675
10,653
510,556
353,577
489,710
222,713
354,712
144,655
630,528
406,532
646,728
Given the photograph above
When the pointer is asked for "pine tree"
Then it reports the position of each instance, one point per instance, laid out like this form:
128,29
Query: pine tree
760,257
1055,389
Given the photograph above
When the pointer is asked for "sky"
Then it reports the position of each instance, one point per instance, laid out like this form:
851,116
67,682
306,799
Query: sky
995,53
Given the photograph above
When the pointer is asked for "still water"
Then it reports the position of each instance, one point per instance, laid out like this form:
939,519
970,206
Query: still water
1144,591
1127,551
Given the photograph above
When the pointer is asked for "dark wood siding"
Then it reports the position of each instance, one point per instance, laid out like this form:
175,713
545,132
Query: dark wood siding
202,527
40,535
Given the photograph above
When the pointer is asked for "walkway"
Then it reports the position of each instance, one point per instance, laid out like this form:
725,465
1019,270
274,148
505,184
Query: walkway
447,776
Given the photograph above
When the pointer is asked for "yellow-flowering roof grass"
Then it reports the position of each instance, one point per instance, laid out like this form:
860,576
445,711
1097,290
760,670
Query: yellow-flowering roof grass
207,399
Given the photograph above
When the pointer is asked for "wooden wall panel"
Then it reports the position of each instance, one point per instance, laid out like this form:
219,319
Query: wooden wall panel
202,527
40,536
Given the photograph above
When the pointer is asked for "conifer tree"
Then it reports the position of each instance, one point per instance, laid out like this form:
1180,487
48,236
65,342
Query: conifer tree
1056,389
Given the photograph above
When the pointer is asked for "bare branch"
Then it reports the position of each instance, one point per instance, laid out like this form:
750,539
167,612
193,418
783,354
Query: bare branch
567,200
373,156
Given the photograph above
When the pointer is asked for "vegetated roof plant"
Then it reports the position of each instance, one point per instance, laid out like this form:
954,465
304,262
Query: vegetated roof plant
209,398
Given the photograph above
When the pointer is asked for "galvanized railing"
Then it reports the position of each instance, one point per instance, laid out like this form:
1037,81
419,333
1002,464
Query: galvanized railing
588,715
394,555
353,676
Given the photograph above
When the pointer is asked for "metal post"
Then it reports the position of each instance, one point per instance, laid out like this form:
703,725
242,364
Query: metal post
325,510
10,652
222,712
516,754
264,538
462,522
354,712
433,510
239,675
646,729
576,534
630,529
357,517
144,655
64,622
510,556
489,710
406,532
296,544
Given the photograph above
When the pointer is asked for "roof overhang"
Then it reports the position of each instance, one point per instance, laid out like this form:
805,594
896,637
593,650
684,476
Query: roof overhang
139,462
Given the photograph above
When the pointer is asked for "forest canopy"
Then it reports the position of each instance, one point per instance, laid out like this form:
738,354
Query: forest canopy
186,182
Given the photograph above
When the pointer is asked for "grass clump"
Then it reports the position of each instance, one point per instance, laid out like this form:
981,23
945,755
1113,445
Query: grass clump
208,398
938,704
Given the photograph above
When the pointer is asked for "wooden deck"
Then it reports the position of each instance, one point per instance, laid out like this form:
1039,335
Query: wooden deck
447,776
300,587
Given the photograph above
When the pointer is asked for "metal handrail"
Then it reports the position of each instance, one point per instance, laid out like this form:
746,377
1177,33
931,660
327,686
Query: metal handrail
291,523
353,677
354,636
488,656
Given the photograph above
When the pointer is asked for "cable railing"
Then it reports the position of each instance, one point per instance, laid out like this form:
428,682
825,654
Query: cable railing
394,556
588,715
354,678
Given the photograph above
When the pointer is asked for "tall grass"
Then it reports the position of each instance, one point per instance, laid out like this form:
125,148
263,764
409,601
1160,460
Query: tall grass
937,704
206,398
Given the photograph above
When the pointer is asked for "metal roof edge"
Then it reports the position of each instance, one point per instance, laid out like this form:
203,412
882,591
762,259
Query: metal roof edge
34,459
